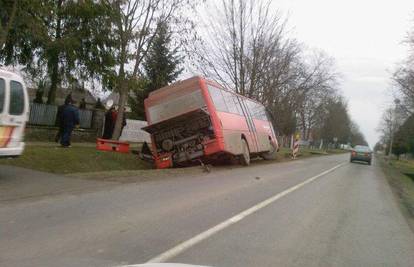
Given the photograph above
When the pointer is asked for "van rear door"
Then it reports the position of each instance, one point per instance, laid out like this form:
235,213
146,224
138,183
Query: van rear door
13,113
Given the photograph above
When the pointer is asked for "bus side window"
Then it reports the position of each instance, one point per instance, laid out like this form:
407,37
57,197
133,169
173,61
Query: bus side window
237,105
2,94
232,103
263,114
258,111
16,98
218,99
252,108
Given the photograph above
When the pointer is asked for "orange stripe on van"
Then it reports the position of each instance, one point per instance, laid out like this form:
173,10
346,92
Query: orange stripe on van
5,135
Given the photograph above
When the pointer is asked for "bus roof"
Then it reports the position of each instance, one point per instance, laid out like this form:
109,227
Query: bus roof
181,83
163,91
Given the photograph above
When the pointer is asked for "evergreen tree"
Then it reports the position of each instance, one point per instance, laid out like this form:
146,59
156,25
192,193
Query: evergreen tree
66,38
161,66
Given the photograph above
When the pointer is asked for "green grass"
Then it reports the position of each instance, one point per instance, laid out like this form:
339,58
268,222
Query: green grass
400,175
405,166
77,159
84,160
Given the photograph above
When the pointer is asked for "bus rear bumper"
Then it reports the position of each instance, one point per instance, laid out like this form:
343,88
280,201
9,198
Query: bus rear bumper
213,147
12,151
167,160
163,161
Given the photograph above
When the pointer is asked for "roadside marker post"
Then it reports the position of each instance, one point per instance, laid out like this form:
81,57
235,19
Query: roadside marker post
295,149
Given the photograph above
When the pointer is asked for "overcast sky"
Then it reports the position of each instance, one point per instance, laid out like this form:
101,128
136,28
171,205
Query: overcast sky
365,37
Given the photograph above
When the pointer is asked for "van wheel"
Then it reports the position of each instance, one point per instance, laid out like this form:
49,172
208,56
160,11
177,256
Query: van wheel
272,154
245,157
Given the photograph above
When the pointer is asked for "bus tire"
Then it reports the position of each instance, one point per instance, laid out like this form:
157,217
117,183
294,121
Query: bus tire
245,156
272,154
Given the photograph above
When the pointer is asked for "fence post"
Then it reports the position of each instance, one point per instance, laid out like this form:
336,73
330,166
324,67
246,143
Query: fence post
97,121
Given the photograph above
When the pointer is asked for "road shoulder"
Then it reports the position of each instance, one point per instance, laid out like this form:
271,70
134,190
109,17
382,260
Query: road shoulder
402,187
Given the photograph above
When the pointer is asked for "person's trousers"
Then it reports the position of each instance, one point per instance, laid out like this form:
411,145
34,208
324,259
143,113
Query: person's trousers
65,139
59,134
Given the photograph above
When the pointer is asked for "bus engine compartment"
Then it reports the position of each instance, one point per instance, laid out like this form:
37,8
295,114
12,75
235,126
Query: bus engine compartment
182,138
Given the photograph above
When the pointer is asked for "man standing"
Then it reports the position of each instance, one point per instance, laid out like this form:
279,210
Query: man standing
70,119
59,117
109,123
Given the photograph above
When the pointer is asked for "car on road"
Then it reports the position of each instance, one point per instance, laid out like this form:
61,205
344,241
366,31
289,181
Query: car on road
361,153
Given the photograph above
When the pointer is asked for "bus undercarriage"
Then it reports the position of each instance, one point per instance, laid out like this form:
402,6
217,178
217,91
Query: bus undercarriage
181,139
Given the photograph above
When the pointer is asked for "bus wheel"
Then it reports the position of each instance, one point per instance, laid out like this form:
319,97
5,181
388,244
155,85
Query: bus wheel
272,154
245,157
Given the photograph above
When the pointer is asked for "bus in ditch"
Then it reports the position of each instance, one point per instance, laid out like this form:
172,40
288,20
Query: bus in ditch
199,120
14,113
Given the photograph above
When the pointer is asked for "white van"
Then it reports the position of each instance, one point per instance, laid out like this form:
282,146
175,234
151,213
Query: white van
14,113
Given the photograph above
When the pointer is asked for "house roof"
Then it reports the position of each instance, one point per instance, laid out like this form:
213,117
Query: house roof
61,93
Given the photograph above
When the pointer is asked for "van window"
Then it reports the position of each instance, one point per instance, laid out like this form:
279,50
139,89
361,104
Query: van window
16,98
2,94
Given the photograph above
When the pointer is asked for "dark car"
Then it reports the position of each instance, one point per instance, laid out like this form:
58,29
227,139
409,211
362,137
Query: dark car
361,153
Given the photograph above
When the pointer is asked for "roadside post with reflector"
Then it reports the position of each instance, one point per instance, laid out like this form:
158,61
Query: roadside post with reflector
295,148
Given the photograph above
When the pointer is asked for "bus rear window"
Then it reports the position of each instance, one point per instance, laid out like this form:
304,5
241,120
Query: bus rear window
16,98
2,94
173,107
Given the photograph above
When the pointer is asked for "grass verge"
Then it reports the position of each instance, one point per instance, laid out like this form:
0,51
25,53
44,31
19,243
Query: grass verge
84,161
400,176
76,159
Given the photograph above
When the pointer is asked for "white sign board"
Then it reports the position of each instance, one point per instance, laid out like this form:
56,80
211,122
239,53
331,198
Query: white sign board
132,132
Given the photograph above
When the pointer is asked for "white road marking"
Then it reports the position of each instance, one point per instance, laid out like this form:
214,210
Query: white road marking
163,257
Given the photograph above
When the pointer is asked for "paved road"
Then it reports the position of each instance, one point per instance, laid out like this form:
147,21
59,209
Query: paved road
347,217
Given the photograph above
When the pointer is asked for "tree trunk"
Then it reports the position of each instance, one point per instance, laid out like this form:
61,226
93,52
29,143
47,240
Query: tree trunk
54,80
123,96
54,73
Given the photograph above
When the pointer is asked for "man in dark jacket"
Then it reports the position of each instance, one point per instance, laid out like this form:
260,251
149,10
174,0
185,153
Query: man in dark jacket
70,119
109,123
59,117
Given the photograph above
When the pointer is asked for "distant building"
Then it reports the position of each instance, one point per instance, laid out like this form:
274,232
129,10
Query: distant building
77,94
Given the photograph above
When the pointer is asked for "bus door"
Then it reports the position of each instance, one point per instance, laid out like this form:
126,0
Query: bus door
250,124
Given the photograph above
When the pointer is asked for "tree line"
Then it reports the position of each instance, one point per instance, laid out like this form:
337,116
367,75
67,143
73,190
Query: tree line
397,123
246,47
134,47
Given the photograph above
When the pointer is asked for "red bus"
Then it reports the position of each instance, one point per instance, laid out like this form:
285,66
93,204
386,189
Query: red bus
197,119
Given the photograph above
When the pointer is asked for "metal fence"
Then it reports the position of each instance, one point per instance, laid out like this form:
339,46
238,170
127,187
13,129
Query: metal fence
45,115
85,118
41,114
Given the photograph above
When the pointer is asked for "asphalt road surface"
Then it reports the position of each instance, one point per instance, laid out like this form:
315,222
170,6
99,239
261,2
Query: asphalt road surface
322,211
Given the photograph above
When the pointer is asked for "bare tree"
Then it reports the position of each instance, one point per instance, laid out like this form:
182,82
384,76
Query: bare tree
135,25
245,47
404,80
317,88
238,40
392,119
